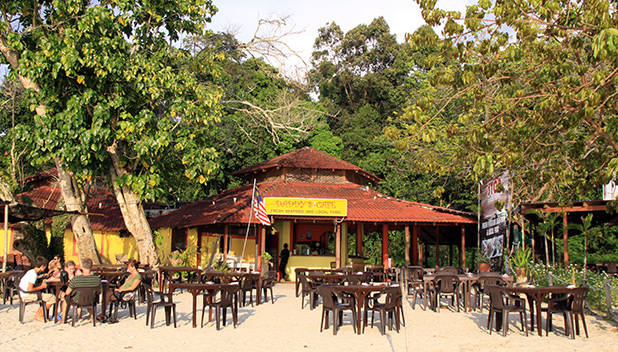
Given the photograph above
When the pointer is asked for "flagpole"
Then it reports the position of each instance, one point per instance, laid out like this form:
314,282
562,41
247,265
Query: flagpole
244,245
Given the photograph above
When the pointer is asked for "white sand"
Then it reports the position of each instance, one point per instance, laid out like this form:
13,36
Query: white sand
283,326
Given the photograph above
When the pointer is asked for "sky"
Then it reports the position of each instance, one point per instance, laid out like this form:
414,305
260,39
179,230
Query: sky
306,17
241,18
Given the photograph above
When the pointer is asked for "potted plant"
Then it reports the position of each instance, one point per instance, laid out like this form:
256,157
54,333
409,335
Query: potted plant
484,264
520,261
266,257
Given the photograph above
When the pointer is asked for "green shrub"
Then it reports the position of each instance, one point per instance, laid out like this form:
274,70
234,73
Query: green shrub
565,276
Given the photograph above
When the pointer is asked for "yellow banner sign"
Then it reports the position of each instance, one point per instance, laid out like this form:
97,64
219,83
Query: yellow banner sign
306,206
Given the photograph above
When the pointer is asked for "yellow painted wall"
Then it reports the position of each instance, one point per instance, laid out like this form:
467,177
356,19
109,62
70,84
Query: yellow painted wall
283,228
110,242
10,247
236,248
165,246
192,244
207,244
308,262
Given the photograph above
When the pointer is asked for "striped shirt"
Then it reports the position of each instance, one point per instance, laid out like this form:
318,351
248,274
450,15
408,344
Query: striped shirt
85,281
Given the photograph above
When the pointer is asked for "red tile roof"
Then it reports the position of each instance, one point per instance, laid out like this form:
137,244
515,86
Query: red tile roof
364,205
306,158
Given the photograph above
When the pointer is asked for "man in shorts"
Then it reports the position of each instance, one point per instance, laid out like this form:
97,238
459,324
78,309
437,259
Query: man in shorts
27,283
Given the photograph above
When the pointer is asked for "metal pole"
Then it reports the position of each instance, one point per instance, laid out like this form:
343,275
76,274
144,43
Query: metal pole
478,221
249,223
6,236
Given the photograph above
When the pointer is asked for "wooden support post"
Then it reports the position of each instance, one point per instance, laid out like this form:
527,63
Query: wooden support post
385,246
437,246
338,246
226,238
532,244
406,241
292,236
258,249
359,239
415,251
462,251
565,239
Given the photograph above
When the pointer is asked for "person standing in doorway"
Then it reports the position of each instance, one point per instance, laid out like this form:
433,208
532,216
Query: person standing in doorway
285,254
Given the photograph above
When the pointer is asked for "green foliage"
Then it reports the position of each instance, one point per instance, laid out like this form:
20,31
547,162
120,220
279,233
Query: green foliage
564,276
484,259
525,86
221,265
522,258
364,78
109,79
266,256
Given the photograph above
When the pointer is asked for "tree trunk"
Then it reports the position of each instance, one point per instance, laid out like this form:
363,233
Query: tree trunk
75,200
133,213
553,248
585,254
546,249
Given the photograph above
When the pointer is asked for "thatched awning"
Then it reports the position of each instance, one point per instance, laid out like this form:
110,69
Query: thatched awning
22,212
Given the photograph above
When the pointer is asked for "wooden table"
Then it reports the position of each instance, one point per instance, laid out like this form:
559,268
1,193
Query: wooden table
336,278
466,282
297,271
166,271
360,293
536,295
195,288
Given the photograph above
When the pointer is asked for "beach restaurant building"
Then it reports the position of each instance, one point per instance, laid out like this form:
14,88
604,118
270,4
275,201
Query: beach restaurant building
319,205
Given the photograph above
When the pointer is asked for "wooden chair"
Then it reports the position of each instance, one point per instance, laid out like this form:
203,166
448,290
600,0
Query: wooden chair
126,299
413,282
9,288
152,304
23,303
228,298
331,304
479,288
307,288
247,284
572,307
389,310
446,285
83,297
499,302
268,282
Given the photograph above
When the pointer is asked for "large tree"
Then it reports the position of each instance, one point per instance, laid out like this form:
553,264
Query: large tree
526,86
364,78
113,96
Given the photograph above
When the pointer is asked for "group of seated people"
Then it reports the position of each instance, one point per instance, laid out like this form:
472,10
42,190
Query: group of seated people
74,278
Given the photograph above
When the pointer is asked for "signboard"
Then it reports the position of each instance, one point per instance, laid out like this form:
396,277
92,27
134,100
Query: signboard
306,206
495,203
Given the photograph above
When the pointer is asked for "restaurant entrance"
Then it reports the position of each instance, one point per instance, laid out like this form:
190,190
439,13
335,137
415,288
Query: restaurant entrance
272,247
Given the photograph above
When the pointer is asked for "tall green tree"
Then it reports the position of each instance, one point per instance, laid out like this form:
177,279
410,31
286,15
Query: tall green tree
263,113
527,86
112,96
364,78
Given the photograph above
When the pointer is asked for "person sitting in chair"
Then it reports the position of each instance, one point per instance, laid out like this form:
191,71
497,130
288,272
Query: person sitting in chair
84,280
27,284
130,284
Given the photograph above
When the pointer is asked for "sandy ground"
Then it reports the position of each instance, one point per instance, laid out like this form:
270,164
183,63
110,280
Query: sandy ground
283,326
